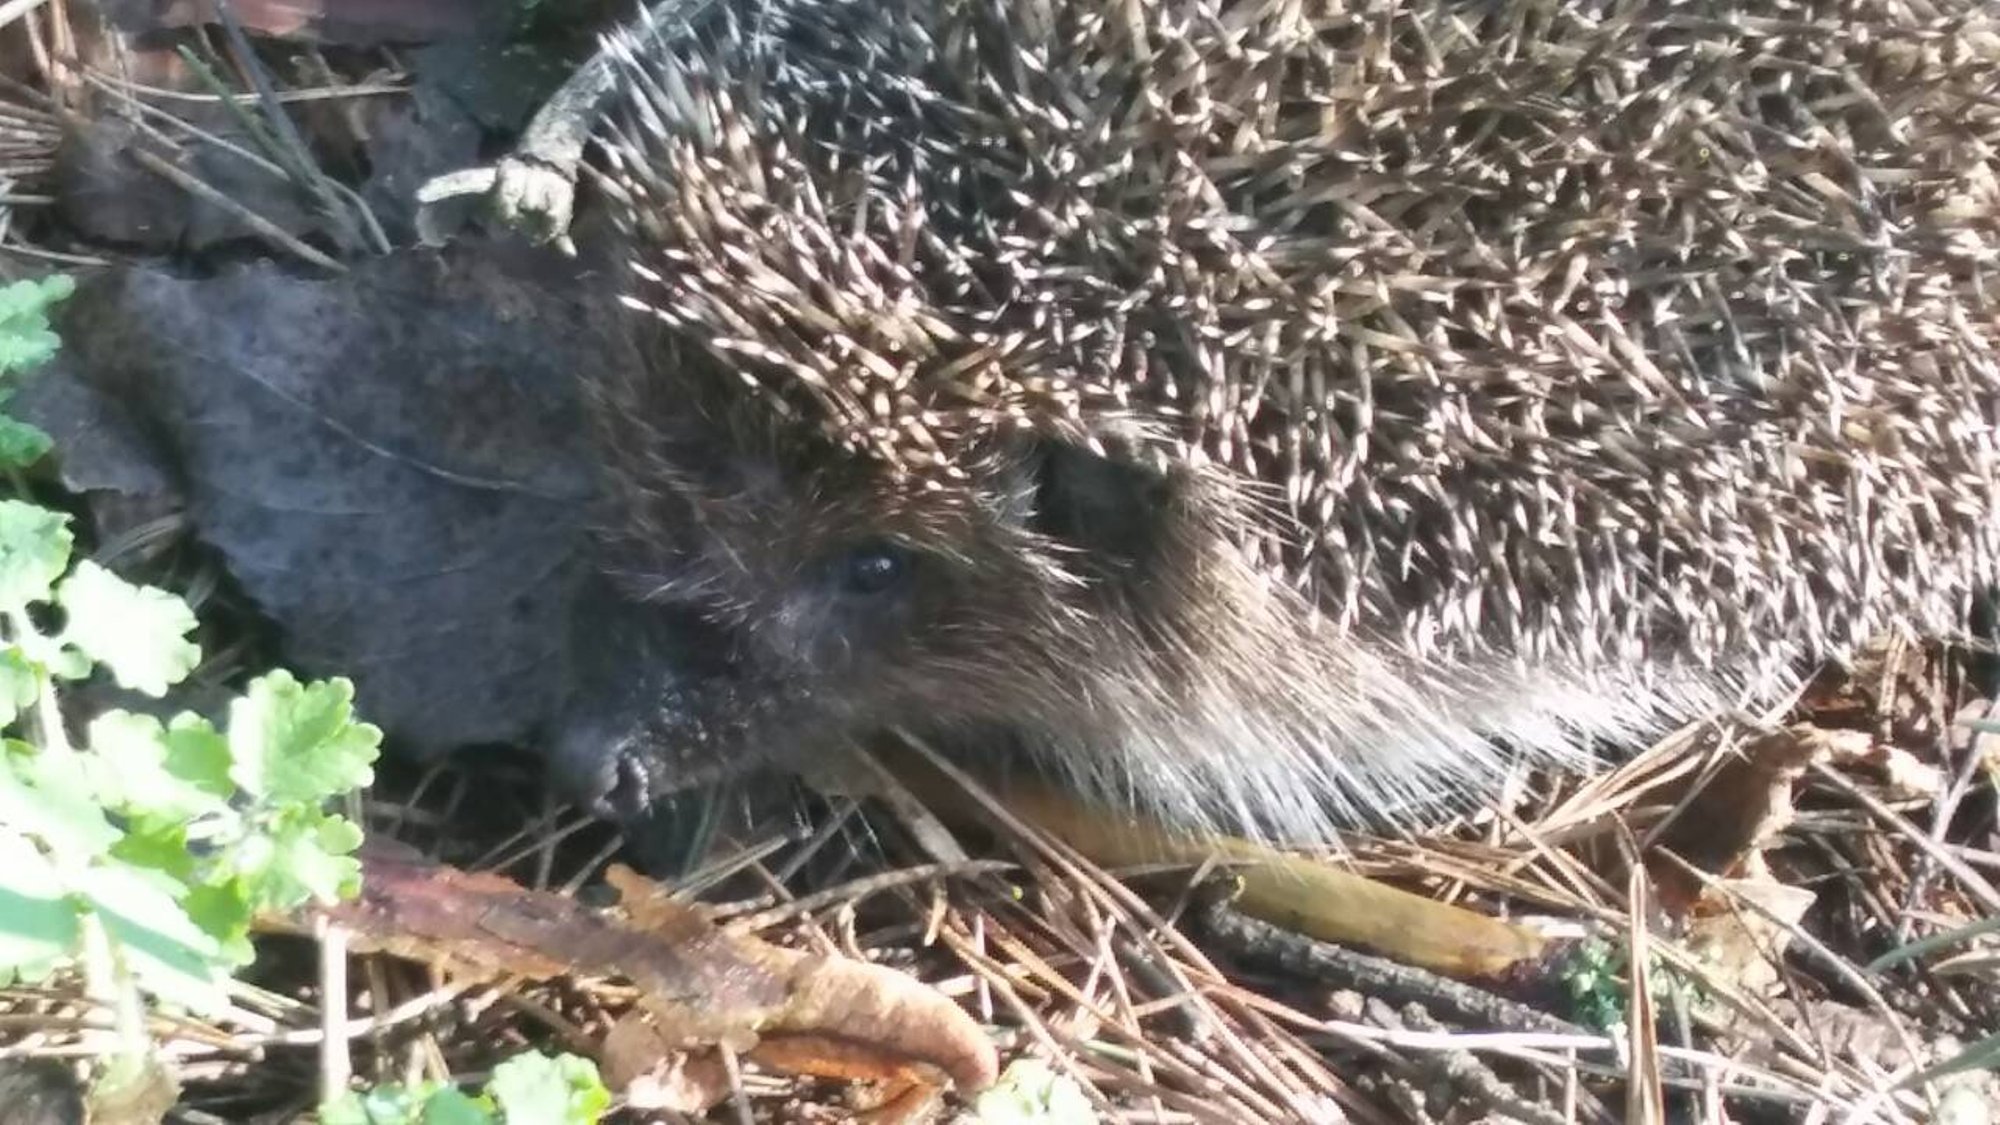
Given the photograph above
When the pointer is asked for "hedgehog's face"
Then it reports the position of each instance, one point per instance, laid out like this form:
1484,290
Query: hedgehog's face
780,609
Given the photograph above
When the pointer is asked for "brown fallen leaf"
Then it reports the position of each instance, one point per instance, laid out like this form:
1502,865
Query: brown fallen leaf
905,1094
1907,775
699,986
872,1011
639,1060
1739,808
1744,805
1741,928
654,1076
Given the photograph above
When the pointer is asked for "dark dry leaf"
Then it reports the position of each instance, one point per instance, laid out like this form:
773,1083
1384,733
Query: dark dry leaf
409,140
1740,929
390,463
1736,813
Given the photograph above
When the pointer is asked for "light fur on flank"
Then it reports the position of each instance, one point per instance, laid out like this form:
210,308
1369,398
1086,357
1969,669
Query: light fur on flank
1502,380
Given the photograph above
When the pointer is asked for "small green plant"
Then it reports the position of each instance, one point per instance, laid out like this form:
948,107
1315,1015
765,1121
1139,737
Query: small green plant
166,838
528,1089
1595,977
26,342
1031,1092
1597,995
140,852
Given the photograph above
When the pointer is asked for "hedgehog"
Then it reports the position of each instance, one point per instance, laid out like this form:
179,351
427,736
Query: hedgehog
1271,417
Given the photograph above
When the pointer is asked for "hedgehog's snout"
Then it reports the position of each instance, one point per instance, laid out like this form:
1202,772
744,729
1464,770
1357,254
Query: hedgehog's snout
601,773
646,688
606,749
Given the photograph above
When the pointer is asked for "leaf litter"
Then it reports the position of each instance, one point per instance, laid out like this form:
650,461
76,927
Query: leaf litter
406,510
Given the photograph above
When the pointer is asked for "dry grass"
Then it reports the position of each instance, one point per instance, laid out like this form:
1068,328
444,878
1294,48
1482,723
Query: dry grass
1066,962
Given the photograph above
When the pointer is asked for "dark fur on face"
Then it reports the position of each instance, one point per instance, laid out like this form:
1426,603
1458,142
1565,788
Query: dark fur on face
829,601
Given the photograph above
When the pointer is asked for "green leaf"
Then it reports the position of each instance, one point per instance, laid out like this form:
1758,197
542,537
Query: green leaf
199,755
384,1105
130,764
51,797
25,338
19,684
139,633
21,445
25,346
223,911
38,923
298,742
534,1089
52,657
393,1104
1030,1092
34,551
31,298
452,1106
302,856
157,845
347,1109
168,953
22,348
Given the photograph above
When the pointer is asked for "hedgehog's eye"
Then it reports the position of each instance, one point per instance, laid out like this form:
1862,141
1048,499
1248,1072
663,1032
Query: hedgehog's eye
875,567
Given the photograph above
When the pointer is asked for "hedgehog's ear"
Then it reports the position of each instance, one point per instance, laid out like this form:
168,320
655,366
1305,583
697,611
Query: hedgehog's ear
1112,511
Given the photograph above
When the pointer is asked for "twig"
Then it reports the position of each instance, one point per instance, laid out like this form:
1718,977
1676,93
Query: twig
270,231
533,188
1259,941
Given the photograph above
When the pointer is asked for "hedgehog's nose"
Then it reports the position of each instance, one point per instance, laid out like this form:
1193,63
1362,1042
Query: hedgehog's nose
597,769
631,791
612,746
